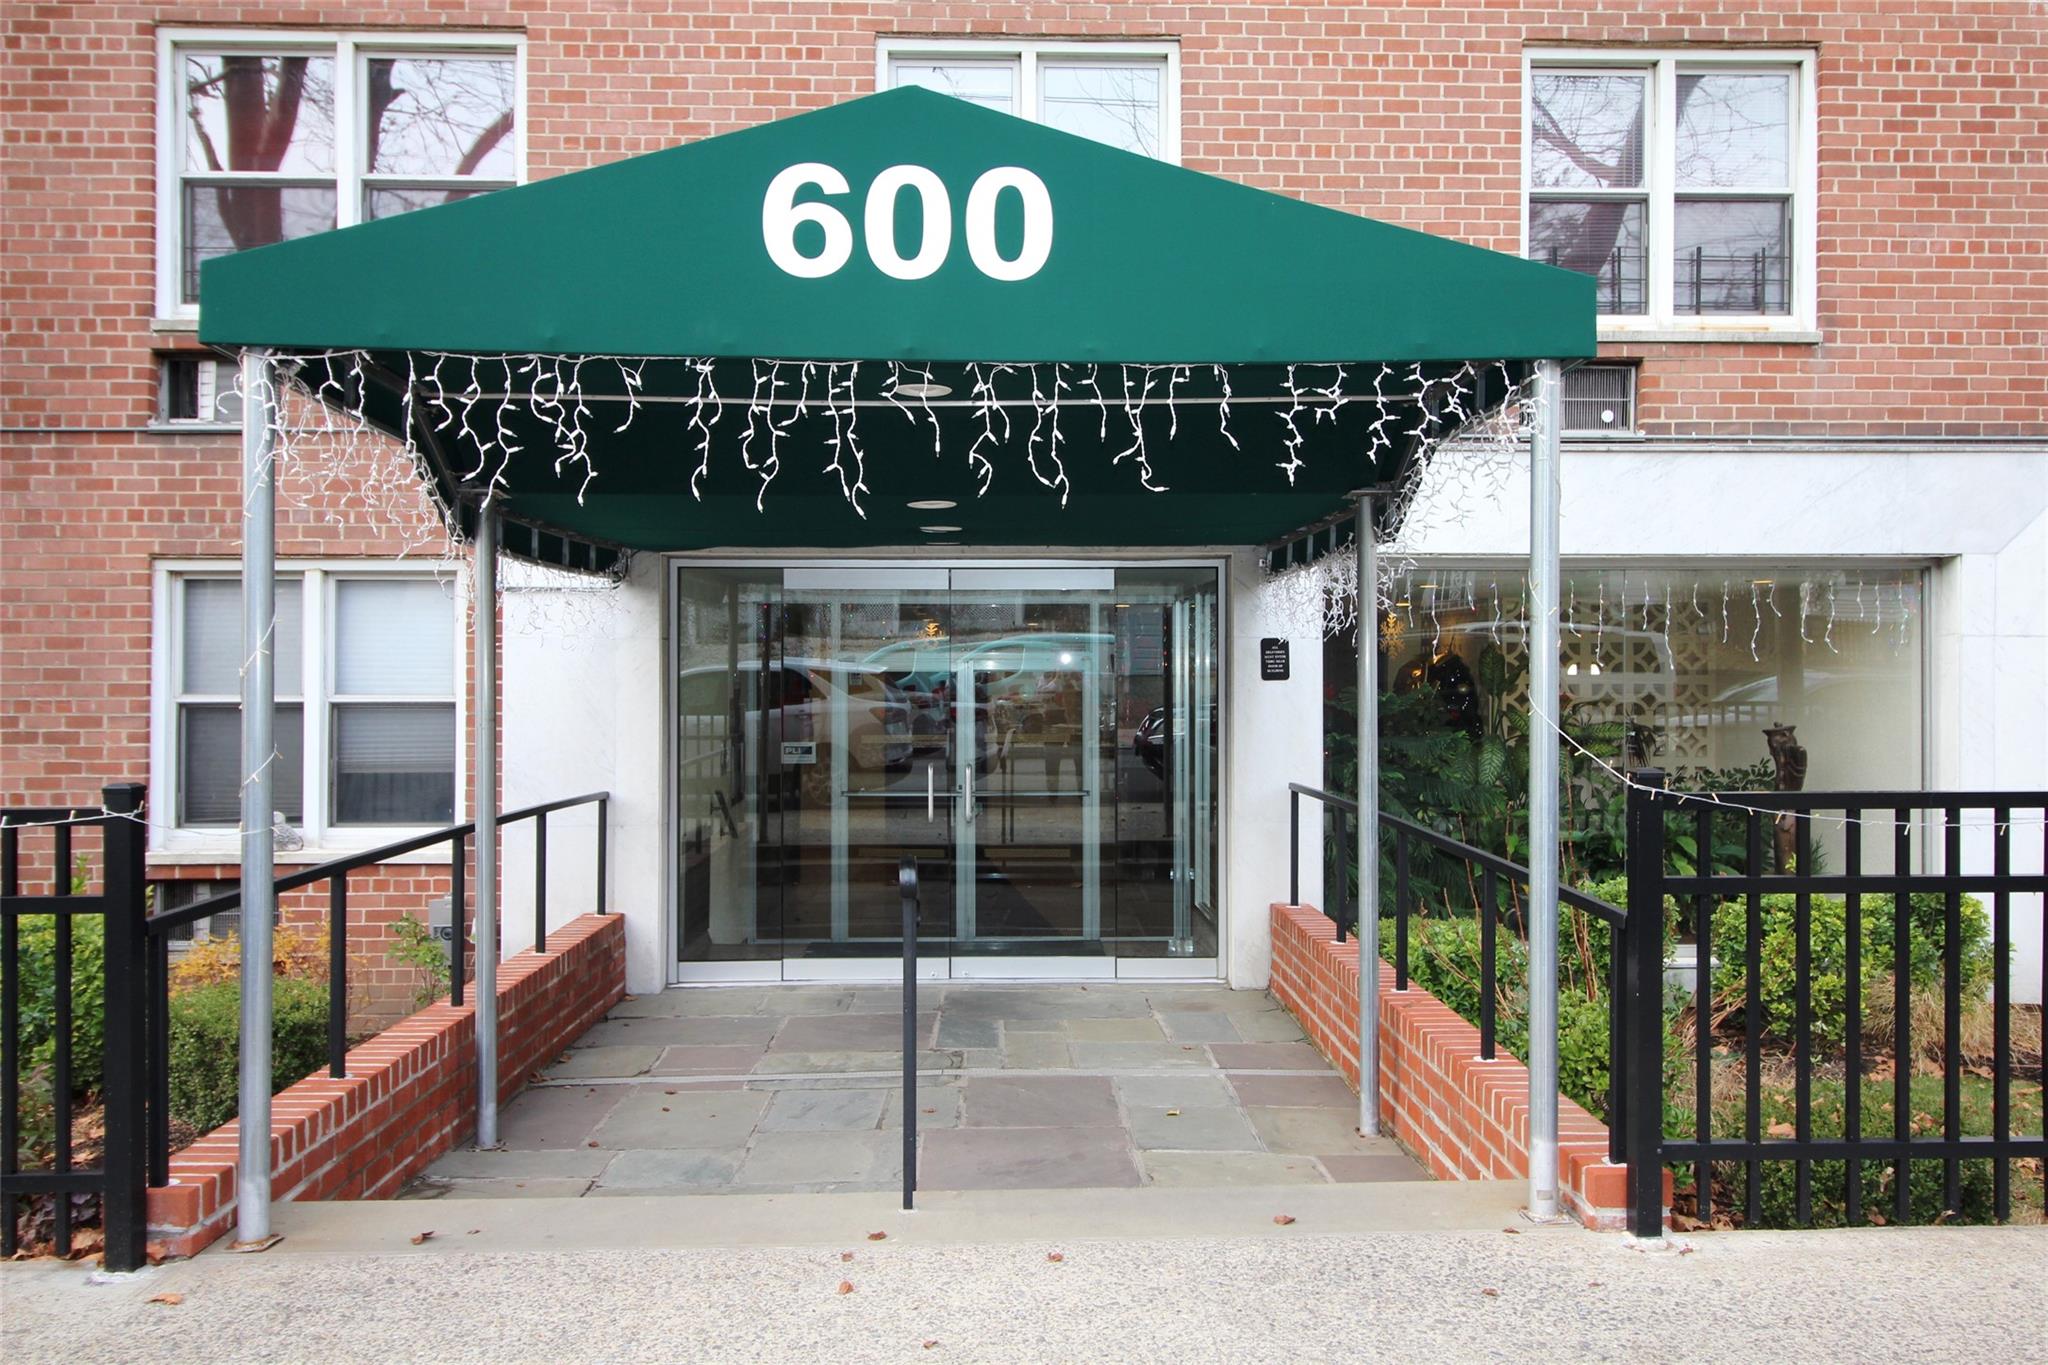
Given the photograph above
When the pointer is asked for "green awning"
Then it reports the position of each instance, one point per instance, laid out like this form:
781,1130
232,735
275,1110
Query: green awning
715,251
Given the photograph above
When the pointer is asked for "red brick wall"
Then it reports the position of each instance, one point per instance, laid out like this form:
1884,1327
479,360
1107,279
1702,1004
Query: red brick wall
1931,268
1464,1118
410,1092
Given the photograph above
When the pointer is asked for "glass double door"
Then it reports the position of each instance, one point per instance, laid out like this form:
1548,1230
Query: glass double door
1041,741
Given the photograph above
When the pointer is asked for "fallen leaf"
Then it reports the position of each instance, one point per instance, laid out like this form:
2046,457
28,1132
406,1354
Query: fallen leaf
927,1111
668,1092
929,1344
1782,1130
1055,1255
1512,1232
846,1286
591,1143
1491,1293
419,1237
664,1109
1595,1284
845,1255
1683,1223
172,1299
1283,1219
878,1237
472,1232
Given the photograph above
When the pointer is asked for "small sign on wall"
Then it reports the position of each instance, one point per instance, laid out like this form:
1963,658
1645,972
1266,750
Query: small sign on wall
797,752
1273,660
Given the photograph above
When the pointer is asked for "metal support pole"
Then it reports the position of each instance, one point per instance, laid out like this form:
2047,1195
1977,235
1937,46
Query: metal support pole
1544,494
484,798
259,752
1368,930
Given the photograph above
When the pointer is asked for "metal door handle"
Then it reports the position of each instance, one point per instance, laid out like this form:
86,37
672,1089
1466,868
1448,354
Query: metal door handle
968,814
930,794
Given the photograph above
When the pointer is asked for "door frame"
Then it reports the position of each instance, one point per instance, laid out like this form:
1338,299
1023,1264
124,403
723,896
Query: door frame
771,971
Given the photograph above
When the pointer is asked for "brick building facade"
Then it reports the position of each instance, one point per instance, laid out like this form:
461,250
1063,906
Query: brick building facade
1887,420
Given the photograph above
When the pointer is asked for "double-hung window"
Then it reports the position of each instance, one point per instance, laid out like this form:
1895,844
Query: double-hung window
365,674
266,137
1681,181
1123,94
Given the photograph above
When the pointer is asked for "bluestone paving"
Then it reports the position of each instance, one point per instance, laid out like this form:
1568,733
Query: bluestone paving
1191,1130
1200,1026
828,1111
1026,1159
1039,1102
797,1089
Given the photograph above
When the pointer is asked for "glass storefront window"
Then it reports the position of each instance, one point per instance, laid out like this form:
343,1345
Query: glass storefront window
1698,671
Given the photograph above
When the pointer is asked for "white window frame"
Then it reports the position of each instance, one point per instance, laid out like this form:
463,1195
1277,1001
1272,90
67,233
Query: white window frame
351,53
1026,53
1662,66
320,580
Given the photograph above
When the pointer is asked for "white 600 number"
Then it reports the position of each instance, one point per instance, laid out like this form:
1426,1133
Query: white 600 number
781,215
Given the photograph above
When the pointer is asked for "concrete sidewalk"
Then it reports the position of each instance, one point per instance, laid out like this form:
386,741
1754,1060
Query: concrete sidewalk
1208,1277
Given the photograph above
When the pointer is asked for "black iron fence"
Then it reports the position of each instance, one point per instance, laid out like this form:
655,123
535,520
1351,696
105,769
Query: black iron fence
1901,915
134,1086
1792,961
118,908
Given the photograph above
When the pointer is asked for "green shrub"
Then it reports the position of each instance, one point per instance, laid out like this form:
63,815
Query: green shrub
1828,940
206,1045
88,995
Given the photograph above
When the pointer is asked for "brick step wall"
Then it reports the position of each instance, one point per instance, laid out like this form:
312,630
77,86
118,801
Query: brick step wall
409,1096
1462,1117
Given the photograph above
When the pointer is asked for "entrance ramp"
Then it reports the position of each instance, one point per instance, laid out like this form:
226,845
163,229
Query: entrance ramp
779,1090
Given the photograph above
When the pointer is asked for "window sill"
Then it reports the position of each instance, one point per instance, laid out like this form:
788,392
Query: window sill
1615,331
175,323
192,428
192,853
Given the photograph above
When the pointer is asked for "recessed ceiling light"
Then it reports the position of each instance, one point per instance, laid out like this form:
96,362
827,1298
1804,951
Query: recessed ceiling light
932,505
922,390
938,530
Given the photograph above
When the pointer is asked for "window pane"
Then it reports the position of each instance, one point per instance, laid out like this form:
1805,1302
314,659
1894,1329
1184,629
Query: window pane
394,765
1586,130
388,201
248,113
1734,131
1732,256
210,764
990,84
440,116
213,638
394,639
1118,105
220,219
1602,238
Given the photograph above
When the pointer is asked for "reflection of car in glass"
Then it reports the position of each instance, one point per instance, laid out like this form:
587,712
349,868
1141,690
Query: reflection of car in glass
802,695
1149,742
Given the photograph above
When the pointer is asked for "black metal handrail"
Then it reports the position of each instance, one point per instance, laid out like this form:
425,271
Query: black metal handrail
1493,872
335,873
1939,819
906,884
120,1177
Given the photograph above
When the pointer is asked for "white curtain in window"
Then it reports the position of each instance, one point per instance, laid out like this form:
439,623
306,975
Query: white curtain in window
393,639
213,638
